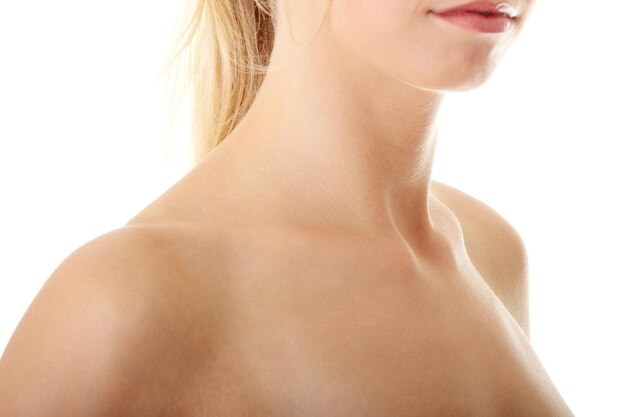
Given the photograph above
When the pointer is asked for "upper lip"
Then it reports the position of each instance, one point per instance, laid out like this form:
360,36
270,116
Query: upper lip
501,7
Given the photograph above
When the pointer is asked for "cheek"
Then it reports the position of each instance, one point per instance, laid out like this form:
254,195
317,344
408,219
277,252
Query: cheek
365,22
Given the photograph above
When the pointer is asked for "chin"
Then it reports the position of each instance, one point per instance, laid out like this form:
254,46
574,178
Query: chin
457,84
453,78
441,65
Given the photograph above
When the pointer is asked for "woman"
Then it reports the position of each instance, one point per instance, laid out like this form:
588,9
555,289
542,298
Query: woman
307,265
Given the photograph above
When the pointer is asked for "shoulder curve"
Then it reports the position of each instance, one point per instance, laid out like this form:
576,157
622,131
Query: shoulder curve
496,248
468,208
69,354
127,257
88,341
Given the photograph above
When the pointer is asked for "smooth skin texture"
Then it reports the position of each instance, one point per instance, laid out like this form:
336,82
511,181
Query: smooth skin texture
308,266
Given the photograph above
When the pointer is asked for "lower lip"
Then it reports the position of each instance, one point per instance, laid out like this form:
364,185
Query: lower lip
478,22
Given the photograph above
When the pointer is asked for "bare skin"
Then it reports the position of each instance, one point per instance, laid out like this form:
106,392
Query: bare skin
307,321
242,317
343,280
309,266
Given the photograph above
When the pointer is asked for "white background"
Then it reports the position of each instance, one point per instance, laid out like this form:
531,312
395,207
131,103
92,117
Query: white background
82,149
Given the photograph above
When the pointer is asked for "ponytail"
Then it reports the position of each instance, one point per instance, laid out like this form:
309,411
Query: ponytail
228,44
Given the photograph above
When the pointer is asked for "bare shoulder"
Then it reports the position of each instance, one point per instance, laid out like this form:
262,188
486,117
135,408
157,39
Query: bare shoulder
478,218
495,247
89,340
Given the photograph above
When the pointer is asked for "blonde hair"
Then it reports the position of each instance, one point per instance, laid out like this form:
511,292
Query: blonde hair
225,47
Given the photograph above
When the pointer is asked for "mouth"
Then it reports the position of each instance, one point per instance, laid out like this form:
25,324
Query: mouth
481,16
483,8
